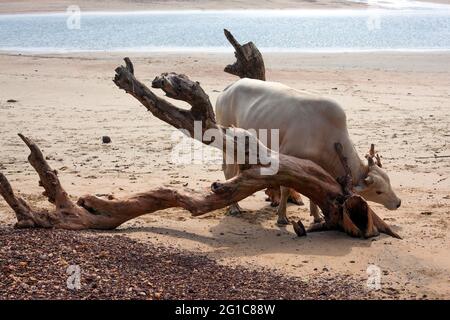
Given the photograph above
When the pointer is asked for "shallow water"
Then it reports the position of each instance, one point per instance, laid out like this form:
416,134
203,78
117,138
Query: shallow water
271,30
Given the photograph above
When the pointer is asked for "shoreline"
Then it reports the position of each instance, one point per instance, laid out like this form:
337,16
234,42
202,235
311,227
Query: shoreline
217,50
52,6
29,6
357,10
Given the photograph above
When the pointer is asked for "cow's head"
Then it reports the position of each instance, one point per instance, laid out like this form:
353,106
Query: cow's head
376,186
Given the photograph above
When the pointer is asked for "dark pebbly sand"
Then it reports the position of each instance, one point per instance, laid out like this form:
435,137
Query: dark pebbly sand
34,263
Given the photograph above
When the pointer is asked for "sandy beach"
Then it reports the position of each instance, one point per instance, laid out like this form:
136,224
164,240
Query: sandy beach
67,102
398,101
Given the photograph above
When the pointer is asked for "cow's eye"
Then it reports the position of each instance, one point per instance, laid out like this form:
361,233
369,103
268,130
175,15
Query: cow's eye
379,192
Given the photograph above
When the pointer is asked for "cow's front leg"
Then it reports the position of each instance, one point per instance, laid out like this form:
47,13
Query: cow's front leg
234,210
231,170
282,218
314,211
273,195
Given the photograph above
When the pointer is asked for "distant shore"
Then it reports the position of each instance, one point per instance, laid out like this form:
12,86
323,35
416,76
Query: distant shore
31,6
43,6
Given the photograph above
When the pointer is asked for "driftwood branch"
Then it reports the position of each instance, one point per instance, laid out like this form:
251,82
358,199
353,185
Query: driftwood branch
342,211
249,60
98,213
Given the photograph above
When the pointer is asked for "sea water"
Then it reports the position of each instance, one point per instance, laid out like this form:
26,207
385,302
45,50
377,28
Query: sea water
406,29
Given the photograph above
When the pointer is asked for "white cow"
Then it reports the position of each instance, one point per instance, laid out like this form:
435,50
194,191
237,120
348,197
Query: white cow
308,128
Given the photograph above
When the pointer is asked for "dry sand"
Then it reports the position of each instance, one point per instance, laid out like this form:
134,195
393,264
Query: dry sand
398,101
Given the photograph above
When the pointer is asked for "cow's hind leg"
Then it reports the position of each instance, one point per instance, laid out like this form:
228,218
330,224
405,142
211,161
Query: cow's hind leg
282,218
295,197
314,211
231,170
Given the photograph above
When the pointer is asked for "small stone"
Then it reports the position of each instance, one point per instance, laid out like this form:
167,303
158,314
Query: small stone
24,286
106,139
11,100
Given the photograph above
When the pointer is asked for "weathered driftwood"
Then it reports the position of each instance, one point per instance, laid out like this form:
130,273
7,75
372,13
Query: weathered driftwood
249,61
342,211
98,213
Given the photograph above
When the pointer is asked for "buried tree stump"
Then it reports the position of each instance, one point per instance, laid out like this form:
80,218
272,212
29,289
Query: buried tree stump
342,210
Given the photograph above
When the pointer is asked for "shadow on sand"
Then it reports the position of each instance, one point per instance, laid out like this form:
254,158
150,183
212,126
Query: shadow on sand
246,235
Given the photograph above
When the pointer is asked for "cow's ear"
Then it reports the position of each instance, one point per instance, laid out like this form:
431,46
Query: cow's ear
363,184
368,180
360,187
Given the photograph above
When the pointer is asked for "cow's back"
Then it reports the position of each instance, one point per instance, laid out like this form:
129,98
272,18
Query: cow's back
308,126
